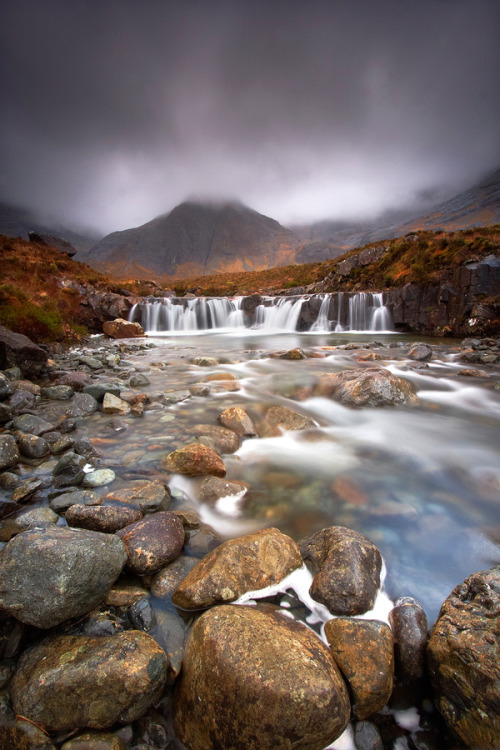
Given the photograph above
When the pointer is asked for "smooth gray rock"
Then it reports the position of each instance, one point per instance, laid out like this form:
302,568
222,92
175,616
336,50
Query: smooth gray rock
83,405
32,424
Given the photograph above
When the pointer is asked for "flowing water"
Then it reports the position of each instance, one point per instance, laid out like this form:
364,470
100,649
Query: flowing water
422,482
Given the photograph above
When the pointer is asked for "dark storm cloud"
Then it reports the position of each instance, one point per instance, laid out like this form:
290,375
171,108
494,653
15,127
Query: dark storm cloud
114,111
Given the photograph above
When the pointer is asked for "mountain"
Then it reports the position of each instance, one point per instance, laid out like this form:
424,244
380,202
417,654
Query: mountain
19,222
193,239
477,206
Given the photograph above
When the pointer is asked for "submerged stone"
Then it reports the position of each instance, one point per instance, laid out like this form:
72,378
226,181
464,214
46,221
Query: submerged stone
194,460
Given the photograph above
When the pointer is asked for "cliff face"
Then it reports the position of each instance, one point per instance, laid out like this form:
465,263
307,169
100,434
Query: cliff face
196,238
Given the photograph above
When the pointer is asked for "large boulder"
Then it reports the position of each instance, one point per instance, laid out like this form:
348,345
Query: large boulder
463,660
53,574
17,350
74,681
252,678
372,386
122,329
239,565
347,569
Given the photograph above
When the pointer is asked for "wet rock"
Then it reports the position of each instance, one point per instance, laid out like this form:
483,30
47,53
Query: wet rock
198,389
142,494
280,418
367,736
175,397
205,361
139,380
83,405
92,362
98,390
239,565
277,686
6,387
84,447
57,392
32,446
9,453
69,470
76,380
168,578
99,478
22,401
113,405
70,681
51,575
62,444
22,735
32,424
153,542
236,419
364,653
17,350
29,519
420,353
6,413
213,488
122,329
27,385
124,593
26,489
224,440
368,387
105,518
463,660
347,569
293,354
94,741
409,628
194,460
64,501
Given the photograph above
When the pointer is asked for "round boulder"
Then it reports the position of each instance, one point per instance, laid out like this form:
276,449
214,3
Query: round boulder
195,459
371,387
254,678
153,542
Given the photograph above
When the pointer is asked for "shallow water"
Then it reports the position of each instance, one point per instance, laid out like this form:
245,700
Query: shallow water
423,483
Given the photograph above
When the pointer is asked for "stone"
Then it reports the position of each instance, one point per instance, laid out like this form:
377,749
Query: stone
463,660
293,354
239,565
57,392
142,494
122,329
26,489
17,350
105,518
114,405
236,419
22,735
279,419
347,570
6,413
123,594
9,453
175,397
91,362
32,446
139,380
153,542
409,628
373,387
205,361
364,653
27,385
69,682
168,578
195,460
252,678
22,401
99,478
420,352
213,488
51,575
28,519
82,406
32,424
69,470
62,444
6,387
198,389
98,390
76,380
94,741
62,502
367,736
224,440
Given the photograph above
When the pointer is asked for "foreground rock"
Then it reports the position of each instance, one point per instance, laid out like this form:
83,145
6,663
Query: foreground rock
122,329
53,574
463,660
347,567
252,678
153,542
105,518
373,386
194,460
71,682
364,653
237,566
17,350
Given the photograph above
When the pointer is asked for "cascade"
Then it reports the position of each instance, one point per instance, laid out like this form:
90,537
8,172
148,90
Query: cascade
339,311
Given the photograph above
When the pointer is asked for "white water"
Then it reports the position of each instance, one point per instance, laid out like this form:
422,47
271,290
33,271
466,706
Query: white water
365,312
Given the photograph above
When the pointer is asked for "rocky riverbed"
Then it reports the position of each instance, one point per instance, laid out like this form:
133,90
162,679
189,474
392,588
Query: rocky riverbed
193,556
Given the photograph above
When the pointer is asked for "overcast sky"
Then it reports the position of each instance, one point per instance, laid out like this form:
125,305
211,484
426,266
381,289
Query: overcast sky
114,111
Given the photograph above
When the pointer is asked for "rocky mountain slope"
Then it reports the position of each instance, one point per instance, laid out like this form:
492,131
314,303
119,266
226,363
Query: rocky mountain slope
196,238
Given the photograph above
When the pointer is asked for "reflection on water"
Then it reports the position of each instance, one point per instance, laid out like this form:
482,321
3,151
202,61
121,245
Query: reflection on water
422,483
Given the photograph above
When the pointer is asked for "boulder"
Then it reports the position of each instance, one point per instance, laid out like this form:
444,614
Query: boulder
280,418
142,494
17,350
195,460
239,565
51,575
77,380
347,570
70,682
372,386
213,488
50,240
420,353
105,518
236,419
153,542
82,405
122,329
223,439
364,653
463,660
252,678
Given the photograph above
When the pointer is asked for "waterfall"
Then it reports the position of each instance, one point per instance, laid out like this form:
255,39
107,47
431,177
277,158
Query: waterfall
340,311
